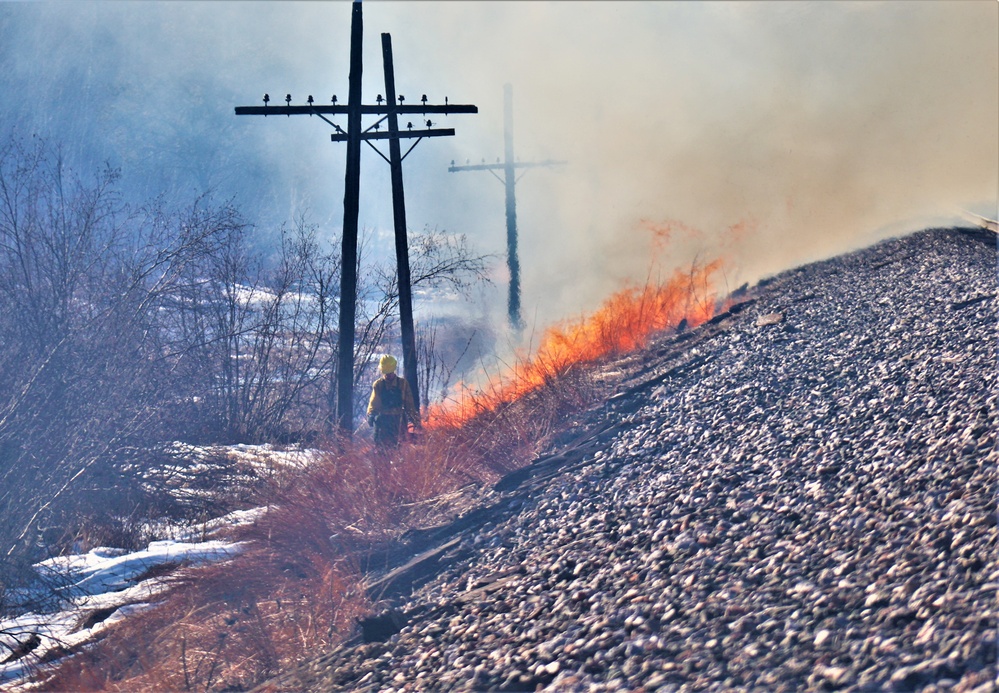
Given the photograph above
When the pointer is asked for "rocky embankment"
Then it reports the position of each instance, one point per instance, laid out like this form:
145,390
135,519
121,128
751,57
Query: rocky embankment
800,495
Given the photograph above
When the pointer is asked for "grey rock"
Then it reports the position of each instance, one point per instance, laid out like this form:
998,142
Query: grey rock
782,511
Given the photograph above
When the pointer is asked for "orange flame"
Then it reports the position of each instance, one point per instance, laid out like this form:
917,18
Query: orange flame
626,321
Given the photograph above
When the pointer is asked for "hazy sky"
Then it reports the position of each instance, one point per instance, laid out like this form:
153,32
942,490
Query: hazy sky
817,126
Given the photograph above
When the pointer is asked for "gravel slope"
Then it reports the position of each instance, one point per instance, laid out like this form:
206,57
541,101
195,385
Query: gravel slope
798,496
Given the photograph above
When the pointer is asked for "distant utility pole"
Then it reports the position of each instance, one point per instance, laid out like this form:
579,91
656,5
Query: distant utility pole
509,180
353,136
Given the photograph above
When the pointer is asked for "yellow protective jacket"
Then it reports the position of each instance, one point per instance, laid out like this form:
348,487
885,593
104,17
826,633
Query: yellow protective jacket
395,398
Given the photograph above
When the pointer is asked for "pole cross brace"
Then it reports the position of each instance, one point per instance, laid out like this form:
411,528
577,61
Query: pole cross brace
501,166
364,109
402,135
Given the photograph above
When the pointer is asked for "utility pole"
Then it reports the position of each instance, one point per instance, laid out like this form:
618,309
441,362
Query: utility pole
354,135
509,180
401,240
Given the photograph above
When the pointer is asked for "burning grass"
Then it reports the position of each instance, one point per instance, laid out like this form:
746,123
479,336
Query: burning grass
300,589
625,322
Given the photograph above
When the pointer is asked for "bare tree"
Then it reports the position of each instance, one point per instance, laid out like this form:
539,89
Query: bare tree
437,363
122,328
256,335
82,280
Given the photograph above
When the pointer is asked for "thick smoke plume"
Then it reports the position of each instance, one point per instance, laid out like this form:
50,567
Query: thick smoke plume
808,127
817,126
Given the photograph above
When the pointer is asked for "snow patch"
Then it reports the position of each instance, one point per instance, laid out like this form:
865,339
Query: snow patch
104,580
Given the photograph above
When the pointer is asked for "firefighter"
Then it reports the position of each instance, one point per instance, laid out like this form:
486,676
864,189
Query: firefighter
391,406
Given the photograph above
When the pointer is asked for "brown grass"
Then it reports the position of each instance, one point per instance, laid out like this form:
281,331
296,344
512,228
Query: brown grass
227,626
298,589
625,322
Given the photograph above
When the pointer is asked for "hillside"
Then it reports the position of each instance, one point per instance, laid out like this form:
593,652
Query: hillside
798,495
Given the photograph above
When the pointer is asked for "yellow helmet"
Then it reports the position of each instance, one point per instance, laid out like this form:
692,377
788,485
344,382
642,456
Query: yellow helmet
387,364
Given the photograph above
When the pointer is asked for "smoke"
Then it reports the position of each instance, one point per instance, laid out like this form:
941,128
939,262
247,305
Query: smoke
819,127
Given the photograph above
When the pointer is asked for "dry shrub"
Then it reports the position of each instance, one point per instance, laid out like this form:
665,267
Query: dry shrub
296,590
364,494
228,626
506,436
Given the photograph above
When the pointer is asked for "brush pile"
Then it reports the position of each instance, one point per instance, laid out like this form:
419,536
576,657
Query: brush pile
798,495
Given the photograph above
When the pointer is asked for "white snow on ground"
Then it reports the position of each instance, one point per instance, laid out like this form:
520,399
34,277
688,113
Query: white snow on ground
201,531
104,570
112,580
262,457
101,579
269,457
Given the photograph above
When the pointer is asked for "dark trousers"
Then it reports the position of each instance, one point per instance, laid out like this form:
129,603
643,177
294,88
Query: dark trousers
388,429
